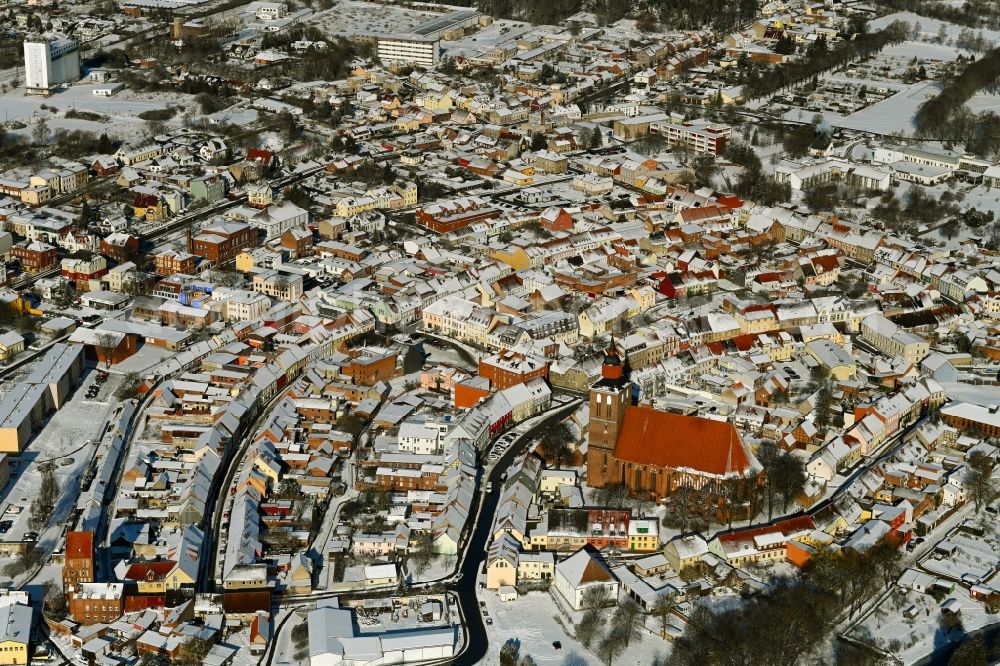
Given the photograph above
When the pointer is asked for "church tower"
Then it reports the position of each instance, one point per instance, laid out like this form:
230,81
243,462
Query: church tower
609,397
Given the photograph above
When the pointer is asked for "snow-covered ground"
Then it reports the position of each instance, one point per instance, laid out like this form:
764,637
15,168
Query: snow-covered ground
68,441
441,567
894,114
911,639
537,620
928,27
123,108
977,395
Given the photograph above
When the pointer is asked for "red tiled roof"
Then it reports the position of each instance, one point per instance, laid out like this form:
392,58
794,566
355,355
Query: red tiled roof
652,437
80,545
149,571
785,527
730,201
826,262
705,213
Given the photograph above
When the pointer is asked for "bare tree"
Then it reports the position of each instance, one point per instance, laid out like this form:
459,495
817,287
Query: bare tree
424,552
556,444
107,345
982,487
612,645
40,132
586,629
596,597
45,501
662,610
626,621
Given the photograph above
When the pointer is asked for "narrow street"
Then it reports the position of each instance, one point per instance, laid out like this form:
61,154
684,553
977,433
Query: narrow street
477,640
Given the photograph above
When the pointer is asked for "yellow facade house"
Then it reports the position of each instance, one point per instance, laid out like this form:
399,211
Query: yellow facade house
15,633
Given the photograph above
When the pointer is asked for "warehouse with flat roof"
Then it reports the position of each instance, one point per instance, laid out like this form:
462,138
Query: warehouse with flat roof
24,409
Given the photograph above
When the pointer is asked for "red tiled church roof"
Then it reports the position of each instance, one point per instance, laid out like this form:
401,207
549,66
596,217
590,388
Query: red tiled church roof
79,545
664,439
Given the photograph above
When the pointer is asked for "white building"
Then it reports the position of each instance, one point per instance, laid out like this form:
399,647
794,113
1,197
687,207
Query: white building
410,49
48,64
422,438
700,137
334,640
580,572
242,305
273,220
271,11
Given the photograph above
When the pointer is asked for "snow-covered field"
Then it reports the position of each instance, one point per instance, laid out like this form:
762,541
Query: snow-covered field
928,27
122,109
894,114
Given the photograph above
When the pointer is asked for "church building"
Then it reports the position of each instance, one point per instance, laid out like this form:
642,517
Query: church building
653,452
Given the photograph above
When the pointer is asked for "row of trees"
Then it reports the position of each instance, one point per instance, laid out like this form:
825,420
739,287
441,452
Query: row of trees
916,208
680,14
979,74
945,116
787,624
819,59
979,14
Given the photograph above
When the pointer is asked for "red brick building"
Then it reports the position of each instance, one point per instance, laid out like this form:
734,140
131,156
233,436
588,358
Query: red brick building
170,262
222,242
401,480
556,219
298,242
97,603
370,370
601,527
653,453
79,561
445,216
468,393
120,247
508,368
35,256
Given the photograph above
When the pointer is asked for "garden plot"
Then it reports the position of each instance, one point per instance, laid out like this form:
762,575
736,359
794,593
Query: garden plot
972,558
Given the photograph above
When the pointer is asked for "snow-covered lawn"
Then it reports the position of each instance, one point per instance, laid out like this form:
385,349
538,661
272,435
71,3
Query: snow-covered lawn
442,567
537,622
929,27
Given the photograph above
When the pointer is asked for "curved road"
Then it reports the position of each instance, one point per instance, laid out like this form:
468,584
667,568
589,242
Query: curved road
477,640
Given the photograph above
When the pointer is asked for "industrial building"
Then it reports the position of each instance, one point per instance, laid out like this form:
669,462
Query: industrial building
50,63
